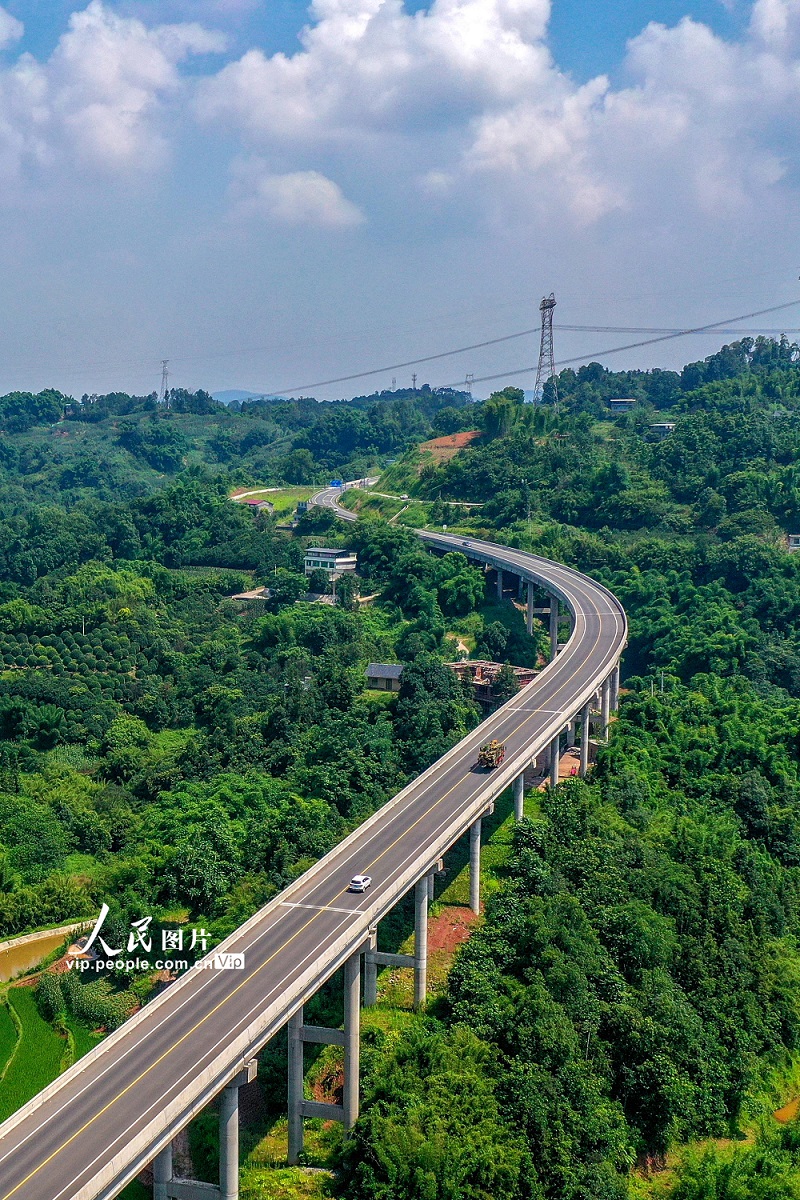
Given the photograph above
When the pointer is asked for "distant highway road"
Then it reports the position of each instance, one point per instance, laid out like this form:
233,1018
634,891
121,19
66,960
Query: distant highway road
90,1132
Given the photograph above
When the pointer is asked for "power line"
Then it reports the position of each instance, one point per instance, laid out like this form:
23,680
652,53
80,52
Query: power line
669,329
73,370
666,337
663,335
412,362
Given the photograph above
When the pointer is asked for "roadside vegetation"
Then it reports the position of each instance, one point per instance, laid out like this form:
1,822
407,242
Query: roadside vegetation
623,1021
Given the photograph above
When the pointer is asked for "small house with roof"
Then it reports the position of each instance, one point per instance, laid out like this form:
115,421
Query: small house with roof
384,677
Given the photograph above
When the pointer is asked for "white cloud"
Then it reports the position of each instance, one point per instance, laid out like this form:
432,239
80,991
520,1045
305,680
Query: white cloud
467,91
478,163
368,65
296,198
11,30
777,24
98,99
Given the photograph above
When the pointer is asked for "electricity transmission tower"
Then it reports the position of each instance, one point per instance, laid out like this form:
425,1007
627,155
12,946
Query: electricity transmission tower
468,382
547,366
164,378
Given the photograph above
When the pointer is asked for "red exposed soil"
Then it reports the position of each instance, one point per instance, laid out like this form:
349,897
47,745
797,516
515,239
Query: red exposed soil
788,1112
328,1088
444,448
452,927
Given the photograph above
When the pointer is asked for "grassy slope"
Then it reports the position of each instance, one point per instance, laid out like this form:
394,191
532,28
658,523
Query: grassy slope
84,1038
414,513
291,1183
8,1036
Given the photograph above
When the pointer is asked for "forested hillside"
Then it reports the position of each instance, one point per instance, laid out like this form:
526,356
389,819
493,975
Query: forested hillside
118,446
167,749
635,983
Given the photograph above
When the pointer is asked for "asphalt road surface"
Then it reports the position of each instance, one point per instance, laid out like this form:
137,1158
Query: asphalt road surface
94,1114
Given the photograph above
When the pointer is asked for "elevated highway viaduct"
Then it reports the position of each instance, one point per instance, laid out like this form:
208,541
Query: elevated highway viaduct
86,1135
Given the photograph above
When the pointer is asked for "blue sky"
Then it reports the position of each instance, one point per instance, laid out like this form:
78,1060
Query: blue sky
184,178
588,36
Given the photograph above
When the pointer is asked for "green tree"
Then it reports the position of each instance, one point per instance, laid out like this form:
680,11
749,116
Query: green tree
505,684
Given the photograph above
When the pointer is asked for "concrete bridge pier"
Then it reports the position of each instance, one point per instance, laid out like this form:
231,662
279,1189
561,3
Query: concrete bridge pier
420,941
555,747
605,708
529,610
167,1187
350,1038
554,616
584,741
519,795
475,866
615,688
229,1132
371,971
571,731
499,583
162,1173
295,1089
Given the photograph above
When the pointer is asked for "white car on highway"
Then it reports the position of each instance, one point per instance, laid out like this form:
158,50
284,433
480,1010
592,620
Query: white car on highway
360,883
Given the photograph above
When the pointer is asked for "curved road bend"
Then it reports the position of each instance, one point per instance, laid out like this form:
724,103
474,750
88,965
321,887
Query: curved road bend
92,1130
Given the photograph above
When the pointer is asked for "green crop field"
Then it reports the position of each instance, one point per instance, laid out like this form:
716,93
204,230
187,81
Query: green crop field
283,500
37,1058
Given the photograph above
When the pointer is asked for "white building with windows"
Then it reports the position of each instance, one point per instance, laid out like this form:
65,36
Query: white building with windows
335,562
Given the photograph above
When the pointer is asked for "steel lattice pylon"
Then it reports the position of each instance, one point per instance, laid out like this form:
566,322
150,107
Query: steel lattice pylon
547,365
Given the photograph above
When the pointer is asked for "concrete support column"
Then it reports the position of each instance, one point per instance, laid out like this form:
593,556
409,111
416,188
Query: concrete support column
430,888
571,731
499,583
371,972
615,688
420,942
162,1173
584,741
519,795
475,866
229,1143
295,1030
554,614
605,706
520,587
529,611
352,1038
555,747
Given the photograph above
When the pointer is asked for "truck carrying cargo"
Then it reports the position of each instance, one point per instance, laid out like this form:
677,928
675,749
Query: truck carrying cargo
491,754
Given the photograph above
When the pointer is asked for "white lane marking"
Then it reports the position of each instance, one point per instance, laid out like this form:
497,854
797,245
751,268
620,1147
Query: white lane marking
585,594
158,1102
135,1043
323,908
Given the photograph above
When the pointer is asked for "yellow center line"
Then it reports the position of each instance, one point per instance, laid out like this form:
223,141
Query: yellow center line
230,995
159,1060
